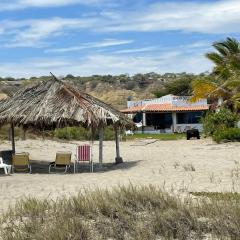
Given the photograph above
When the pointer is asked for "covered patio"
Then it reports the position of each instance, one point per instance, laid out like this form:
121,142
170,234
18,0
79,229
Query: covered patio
52,104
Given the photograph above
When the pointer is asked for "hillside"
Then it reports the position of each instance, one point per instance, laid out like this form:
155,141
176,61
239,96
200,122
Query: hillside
114,90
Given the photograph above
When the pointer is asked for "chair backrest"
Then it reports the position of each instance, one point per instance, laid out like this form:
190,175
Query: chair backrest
1,160
20,159
84,153
63,158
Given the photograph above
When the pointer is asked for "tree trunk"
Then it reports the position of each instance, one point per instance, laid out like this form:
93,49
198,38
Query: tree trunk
13,138
100,146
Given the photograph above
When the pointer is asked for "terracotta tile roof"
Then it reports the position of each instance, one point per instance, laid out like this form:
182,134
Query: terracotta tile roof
164,108
132,109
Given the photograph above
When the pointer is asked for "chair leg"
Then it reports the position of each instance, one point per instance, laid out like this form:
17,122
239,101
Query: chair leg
30,169
49,168
5,170
91,166
67,168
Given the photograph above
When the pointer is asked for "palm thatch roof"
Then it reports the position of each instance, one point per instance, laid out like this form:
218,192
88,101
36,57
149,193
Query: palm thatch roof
54,103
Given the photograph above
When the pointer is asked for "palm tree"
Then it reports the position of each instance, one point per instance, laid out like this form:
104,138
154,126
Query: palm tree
226,59
225,81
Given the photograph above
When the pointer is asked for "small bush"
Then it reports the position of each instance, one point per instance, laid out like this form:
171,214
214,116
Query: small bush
130,85
220,120
93,84
230,134
80,133
72,133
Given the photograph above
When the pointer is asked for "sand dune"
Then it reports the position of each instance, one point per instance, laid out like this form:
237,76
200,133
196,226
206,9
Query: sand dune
181,166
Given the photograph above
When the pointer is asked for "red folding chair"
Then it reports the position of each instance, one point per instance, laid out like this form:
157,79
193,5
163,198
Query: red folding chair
83,154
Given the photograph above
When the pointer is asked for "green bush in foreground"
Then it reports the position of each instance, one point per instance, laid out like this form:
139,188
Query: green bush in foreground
214,121
229,134
123,213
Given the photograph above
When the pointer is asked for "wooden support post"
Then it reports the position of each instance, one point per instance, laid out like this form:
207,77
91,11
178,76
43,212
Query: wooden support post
24,133
13,138
118,159
174,121
143,121
100,146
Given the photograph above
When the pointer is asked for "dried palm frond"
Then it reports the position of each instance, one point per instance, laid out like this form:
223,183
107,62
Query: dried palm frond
53,103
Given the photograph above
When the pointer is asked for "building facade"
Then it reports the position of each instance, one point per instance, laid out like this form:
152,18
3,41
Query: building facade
167,114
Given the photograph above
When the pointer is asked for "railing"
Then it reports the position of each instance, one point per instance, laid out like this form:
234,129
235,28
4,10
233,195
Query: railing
168,99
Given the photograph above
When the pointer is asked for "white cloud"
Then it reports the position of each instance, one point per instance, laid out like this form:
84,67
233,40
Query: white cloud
205,17
22,4
166,61
100,44
211,17
33,32
136,50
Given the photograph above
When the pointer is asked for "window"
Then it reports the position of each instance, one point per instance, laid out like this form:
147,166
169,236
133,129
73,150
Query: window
189,117
159,120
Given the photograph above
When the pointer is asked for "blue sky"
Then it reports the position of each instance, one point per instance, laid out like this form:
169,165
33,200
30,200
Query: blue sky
85,37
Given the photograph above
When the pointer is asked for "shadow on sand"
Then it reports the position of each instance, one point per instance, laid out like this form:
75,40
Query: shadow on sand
41,167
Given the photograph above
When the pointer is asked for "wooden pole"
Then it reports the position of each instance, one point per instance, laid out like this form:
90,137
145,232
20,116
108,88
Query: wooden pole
118,159
100,146
13,138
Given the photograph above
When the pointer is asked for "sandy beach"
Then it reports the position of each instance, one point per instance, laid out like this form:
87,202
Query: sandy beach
180,166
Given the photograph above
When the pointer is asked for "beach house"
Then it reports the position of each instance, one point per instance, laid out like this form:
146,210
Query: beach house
167,114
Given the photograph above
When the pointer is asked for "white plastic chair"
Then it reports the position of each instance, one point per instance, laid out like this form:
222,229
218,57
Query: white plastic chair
129,132
7,168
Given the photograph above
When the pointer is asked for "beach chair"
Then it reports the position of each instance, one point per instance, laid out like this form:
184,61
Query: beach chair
20,162
62,161
83,154
6,167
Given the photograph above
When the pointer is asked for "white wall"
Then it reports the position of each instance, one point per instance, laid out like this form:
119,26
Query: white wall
179,128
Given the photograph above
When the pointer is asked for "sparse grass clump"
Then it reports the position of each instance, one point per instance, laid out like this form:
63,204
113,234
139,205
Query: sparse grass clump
123,213
189,167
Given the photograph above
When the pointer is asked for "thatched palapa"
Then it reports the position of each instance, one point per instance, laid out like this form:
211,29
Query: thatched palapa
54,103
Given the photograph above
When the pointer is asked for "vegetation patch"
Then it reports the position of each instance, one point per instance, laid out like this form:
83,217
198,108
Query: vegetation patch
218,195
230,134
123,213
161,136
221,125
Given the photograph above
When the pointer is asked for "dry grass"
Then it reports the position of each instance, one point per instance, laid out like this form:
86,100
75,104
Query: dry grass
189,167
124,213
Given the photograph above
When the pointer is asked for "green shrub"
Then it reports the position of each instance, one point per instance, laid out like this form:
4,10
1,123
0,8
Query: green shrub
130,85
230,134
72,133
5,132
223,119
80,133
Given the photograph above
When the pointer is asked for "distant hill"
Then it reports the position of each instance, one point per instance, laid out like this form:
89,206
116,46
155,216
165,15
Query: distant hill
115,90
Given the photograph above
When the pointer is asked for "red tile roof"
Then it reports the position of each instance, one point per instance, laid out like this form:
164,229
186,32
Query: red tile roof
164,108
